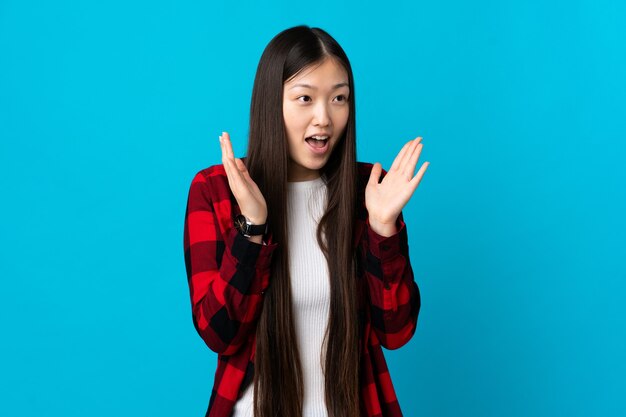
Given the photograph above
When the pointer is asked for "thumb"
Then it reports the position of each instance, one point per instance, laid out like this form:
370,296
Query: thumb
242,168
240,165
375,174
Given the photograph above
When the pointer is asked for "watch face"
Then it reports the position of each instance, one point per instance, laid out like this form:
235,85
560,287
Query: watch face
240,223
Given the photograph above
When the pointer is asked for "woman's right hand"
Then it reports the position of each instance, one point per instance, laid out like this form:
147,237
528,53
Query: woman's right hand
251,202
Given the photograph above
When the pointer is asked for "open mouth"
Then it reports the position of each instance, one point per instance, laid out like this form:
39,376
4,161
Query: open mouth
317,141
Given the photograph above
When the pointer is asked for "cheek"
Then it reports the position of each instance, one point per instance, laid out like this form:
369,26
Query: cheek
295,120
340,118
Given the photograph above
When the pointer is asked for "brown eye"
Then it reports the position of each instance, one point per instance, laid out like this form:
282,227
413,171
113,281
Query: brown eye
344,97
303,97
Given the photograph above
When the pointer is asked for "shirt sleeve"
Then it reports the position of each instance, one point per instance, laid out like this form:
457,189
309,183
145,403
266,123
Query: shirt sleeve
394,294
227,274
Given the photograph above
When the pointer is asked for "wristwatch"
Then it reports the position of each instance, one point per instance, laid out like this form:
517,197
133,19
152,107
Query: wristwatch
247,229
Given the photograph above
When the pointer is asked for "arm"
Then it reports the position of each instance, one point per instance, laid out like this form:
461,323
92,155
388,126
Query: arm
394,295
227,275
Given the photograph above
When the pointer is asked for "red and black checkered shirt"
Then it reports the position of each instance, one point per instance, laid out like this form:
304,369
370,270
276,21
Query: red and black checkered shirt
228,274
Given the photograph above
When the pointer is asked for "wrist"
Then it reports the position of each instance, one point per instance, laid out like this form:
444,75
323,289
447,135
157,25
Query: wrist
256,220
249,227
383,228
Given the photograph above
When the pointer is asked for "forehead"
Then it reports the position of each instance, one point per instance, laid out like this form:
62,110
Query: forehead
327,72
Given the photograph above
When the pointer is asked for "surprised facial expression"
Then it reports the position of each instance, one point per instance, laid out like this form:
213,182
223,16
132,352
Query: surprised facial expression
315,111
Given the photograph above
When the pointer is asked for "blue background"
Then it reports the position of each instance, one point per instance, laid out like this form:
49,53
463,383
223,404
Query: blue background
517,231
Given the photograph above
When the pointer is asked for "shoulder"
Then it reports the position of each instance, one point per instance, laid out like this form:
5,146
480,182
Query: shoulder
212,181
215,176
364,171
209,173
364,167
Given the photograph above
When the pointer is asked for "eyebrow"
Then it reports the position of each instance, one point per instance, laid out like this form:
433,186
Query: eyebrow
336,86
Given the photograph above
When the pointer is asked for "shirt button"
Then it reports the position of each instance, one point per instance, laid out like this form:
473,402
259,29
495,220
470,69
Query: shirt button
385,247
387,286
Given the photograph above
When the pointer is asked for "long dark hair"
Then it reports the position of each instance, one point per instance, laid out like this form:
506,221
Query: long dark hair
278,379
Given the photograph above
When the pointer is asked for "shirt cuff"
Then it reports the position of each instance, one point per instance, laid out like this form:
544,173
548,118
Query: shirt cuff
385,247
250,253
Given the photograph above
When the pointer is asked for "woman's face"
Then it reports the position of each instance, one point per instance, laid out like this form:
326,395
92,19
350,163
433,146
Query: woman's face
315,102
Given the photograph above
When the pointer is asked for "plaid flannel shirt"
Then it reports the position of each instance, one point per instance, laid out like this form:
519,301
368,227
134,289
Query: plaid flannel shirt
228,274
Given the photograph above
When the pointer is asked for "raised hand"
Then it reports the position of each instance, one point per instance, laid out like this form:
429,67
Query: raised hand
251,202
385,201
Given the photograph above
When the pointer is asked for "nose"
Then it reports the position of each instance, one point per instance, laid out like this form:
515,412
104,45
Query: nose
321,117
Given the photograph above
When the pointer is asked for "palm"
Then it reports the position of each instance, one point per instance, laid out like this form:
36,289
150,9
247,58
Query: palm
253,189
248,195
385,201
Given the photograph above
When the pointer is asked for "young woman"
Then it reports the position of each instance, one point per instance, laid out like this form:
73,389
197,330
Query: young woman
297,255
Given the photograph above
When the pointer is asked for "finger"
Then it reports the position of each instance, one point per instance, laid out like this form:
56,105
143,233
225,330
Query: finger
224,148
229,145
407,155
228,162
235,179
409,167
247,178
228,157
397,163
418,177
377,168
240,165
224,145
242,168
224,158
398,158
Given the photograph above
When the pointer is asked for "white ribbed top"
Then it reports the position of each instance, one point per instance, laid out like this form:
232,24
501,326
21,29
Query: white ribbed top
310,292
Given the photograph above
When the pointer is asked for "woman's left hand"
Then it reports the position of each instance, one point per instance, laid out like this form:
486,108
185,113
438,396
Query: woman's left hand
385,201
